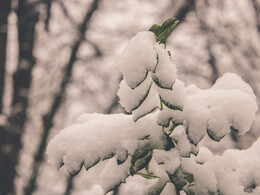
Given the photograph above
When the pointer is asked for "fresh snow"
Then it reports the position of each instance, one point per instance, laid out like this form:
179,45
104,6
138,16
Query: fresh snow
95,139
169,119
138,94
235,172
165,74
175,97
217,109
134,63
150,104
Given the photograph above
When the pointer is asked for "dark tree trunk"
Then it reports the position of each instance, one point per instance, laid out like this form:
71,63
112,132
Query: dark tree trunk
5,7
10,135
5,176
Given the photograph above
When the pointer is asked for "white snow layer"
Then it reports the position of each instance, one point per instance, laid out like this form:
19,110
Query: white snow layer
138,58
175,97
150,104
142,62
96,138
143,54
130,98
165,73
228,104
235,172
180,138
169,158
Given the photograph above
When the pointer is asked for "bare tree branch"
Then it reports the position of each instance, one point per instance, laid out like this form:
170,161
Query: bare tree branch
115,103
99,53
212,60
212,63
48,15
66,13
69,187
256,7
182,12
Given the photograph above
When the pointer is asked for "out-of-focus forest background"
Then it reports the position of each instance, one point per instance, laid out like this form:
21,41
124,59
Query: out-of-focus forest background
58,59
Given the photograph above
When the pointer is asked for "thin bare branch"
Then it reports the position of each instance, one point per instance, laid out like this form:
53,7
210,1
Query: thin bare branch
182,12
48,15
66,13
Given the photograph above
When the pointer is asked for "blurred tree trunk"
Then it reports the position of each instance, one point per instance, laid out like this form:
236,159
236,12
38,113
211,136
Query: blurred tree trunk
5,177
10,134
5,8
